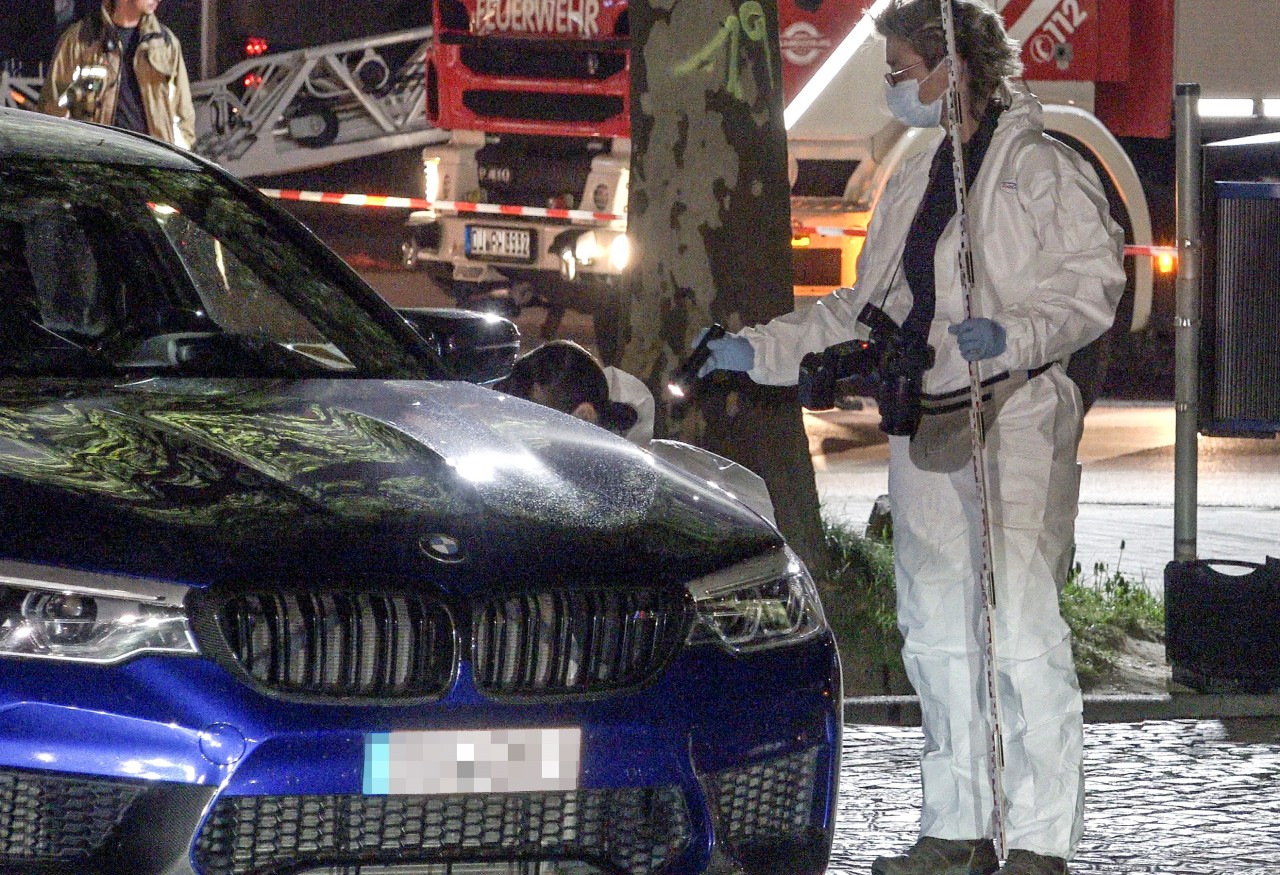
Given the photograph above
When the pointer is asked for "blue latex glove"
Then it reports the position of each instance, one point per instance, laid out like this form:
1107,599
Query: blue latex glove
728,353
979,338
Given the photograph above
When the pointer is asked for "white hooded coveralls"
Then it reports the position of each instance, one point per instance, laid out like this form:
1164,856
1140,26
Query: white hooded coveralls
1048,268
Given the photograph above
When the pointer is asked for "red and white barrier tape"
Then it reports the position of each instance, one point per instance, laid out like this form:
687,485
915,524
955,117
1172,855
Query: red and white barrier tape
416,203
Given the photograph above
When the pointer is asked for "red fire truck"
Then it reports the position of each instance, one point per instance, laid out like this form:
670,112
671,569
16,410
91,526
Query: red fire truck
536,98
531,188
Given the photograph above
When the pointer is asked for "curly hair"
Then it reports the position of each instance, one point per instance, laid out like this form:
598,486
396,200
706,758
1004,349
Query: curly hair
991,55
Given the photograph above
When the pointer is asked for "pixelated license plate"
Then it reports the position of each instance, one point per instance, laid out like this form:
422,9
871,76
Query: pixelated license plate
472,761
483,241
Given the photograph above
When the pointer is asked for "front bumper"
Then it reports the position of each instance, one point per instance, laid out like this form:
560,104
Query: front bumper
441,243
169,765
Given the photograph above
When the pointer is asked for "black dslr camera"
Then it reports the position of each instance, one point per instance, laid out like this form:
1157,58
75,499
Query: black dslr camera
889,366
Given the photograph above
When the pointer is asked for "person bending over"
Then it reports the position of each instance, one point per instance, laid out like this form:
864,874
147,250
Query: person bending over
564,376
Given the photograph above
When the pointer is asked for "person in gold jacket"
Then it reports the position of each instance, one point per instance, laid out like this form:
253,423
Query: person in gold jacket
120,66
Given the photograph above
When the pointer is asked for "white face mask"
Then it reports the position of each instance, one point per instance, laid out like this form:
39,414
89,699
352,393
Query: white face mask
904,103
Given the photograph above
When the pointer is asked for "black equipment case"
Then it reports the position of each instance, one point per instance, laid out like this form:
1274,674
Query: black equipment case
1222,631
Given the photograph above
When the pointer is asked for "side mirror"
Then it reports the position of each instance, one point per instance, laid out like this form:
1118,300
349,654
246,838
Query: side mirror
477,347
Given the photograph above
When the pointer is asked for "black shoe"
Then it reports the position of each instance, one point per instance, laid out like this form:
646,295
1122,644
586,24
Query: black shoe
931,856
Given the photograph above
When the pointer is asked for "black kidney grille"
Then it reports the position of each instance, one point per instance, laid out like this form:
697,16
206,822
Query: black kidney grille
55,818
575,642
633,830
342,644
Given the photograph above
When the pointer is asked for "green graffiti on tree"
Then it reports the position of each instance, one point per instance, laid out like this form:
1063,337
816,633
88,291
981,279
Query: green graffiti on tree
750,23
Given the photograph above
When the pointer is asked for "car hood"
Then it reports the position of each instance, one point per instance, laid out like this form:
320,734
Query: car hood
210,480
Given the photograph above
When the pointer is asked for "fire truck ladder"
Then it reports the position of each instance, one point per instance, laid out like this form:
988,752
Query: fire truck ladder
306,108
310,107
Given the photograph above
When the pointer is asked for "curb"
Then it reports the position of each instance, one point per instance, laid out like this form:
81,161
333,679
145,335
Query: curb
905,710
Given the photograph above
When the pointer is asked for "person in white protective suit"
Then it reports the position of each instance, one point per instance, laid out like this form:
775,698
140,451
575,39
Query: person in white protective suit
564,376
1048,277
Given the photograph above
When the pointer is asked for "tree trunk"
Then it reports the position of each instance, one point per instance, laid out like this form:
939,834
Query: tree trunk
709,216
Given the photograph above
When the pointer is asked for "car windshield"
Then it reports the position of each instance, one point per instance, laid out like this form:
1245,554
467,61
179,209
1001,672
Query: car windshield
124,271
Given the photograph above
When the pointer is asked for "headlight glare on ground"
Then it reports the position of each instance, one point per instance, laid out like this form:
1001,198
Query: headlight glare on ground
765,602
42,620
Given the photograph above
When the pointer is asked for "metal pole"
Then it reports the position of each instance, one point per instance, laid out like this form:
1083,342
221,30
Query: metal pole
1186,320
955,121
208,37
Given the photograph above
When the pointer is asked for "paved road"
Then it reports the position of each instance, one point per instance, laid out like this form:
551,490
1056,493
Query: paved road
1171,797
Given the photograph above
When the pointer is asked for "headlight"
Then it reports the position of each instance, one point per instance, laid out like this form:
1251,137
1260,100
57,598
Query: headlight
586,248
765,602
59,613
431,172
620,252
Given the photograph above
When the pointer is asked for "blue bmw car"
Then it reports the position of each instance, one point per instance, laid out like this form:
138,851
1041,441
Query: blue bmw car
280,593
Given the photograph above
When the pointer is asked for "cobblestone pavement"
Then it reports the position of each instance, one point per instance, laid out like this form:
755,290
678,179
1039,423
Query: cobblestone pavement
1178,797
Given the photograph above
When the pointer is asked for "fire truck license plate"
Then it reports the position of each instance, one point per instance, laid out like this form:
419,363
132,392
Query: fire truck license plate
485,242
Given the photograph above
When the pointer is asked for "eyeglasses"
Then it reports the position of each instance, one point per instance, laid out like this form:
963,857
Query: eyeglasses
896,76
892,79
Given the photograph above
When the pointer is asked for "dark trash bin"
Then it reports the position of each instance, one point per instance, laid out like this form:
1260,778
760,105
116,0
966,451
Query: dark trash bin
1222,630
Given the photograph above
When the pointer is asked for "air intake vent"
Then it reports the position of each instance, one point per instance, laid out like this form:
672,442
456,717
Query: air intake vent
575,642
46,818
631,831
341,644
769,799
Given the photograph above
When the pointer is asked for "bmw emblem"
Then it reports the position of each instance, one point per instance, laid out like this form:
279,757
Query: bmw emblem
442,548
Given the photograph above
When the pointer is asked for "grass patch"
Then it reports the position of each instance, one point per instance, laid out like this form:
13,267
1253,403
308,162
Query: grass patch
860,602
862,577
1102,608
